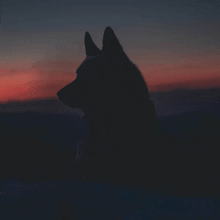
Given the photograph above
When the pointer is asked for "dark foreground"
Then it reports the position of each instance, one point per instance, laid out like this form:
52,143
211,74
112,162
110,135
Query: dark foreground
86,200
41,181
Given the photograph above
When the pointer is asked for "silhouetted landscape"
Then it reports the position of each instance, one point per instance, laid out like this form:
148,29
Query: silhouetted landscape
36,137
45,142
114,136
109,110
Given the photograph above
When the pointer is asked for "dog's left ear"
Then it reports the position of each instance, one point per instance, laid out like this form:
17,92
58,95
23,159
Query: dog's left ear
110,42
91,48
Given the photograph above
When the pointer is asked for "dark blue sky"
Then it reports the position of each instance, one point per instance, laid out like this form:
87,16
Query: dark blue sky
174,43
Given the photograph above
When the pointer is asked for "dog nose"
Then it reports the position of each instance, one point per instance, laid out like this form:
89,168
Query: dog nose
61,96
58,94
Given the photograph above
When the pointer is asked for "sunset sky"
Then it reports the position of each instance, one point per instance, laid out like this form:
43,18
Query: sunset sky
175,43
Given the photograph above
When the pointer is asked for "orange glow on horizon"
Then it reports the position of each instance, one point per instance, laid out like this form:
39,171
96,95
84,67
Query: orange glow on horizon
42,83
30,85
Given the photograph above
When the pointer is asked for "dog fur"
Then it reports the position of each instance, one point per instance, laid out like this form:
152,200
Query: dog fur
122,122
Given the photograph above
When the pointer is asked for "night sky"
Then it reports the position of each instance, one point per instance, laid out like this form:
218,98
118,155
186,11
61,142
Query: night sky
175,44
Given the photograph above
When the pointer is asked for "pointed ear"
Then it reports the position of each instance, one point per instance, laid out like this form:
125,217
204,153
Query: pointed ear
110,42
91,48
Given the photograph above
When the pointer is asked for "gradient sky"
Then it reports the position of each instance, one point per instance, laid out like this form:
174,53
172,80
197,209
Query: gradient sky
175,44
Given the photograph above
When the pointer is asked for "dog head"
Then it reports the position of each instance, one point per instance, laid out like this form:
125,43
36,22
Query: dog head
105,79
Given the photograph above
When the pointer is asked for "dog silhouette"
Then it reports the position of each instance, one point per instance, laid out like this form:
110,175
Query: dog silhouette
122,123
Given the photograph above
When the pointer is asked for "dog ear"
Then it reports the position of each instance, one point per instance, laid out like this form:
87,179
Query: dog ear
91,48
110,42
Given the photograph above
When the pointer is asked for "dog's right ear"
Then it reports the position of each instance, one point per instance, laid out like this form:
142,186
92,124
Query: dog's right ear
111,43
91,48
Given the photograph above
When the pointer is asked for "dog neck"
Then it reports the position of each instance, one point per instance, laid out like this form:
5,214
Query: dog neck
122,126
